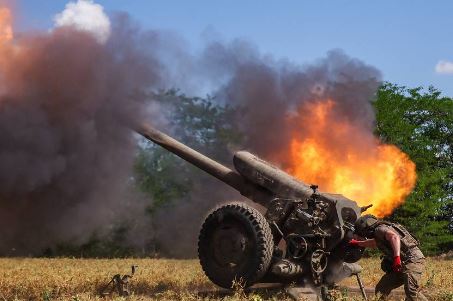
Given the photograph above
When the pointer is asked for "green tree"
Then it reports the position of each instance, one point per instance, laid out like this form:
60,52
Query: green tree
421,124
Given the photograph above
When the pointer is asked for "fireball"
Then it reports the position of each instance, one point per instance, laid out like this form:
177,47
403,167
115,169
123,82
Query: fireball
342,157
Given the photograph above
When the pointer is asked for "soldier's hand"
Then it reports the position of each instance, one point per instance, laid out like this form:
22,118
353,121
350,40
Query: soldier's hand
353,243
396,266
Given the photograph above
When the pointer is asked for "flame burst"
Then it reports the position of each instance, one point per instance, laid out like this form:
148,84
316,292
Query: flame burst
343,158
6,29
6,38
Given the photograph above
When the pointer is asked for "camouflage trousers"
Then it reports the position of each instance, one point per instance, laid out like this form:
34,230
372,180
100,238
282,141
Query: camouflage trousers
410,278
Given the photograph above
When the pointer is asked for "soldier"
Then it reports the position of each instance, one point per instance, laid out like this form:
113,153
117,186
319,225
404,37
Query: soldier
403,262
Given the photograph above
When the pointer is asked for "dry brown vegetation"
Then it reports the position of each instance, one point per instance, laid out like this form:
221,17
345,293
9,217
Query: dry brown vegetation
161,279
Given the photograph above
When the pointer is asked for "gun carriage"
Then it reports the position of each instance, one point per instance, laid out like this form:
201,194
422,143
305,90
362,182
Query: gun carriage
302,234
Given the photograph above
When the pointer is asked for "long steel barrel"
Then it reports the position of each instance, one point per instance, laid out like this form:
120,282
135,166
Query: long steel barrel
221,172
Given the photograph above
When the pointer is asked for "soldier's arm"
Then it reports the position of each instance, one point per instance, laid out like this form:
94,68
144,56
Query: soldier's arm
368,243
394,240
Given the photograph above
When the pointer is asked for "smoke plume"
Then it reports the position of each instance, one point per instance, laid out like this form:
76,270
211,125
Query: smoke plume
66,152
270,93
68,97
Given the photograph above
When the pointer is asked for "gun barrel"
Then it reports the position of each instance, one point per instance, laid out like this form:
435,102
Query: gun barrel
221,172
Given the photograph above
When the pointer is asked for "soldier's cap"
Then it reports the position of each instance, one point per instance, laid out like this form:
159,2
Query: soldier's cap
365,222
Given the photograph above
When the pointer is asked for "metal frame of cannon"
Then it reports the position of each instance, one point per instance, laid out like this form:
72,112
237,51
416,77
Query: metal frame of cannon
239,244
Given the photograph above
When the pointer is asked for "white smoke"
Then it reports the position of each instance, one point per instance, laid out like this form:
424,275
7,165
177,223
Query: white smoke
444,67
87,16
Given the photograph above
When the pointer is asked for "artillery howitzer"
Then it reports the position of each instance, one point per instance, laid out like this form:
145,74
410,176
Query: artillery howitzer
238,243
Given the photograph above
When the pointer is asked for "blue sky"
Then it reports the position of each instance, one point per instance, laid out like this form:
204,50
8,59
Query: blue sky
403,39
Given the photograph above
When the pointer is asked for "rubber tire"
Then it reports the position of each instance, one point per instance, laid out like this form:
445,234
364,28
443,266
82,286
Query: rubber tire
261,244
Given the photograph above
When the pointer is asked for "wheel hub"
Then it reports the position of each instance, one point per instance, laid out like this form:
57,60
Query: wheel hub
230,246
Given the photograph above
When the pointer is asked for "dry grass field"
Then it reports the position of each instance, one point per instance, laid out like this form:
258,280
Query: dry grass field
160,279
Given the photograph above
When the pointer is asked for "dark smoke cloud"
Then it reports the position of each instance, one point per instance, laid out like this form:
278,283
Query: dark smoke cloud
66,150
270,92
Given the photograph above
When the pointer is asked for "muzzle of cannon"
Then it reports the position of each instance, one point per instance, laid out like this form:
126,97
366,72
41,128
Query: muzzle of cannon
238,242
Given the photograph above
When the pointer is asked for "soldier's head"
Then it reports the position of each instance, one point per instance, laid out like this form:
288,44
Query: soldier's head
364,225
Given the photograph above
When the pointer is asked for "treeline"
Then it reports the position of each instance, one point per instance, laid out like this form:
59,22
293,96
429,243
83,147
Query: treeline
417,121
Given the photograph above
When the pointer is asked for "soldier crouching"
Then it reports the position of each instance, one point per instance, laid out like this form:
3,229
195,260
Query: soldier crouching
403,261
